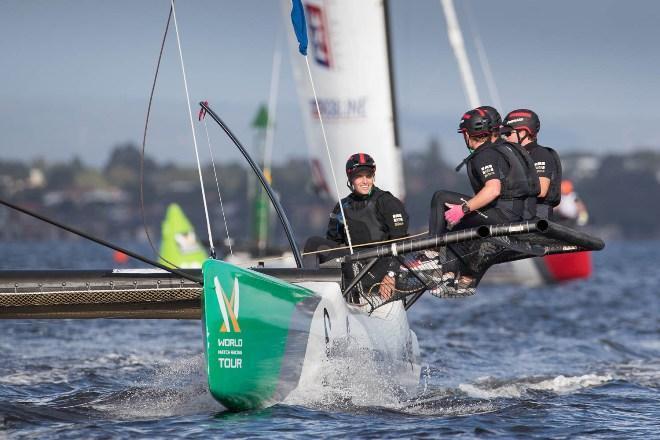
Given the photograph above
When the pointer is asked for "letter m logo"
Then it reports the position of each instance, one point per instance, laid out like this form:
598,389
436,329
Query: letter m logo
228,307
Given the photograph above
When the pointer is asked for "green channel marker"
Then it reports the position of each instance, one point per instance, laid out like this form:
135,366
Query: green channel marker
256,329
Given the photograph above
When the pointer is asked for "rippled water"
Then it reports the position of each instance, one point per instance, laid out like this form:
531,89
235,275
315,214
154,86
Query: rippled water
576,360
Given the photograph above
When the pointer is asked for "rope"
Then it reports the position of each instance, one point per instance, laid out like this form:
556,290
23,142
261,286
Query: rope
192,127
144,143
327,149
217,185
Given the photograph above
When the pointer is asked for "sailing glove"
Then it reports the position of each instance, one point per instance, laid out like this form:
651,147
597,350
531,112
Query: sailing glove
454,214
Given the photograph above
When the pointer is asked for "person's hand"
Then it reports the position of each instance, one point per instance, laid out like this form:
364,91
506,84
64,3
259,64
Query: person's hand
386,287
454,214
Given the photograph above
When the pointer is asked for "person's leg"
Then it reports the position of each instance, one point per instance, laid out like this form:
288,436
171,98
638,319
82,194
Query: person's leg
544,211
466,261
437,223
488,216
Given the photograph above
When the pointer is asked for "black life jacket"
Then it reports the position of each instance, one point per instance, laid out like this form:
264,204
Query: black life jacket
362,216
553,196
519,183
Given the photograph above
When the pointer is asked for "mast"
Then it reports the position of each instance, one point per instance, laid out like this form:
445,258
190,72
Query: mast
390,66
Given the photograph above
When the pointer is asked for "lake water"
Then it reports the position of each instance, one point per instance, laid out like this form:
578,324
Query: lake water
569,361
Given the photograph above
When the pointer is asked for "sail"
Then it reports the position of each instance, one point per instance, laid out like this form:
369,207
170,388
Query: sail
349,63
179,245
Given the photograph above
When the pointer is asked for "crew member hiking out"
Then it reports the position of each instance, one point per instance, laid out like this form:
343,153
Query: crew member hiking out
502,179
373,215
522,126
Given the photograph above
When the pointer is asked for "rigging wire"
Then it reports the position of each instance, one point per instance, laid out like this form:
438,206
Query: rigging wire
144,143
327,149
217,183
192,127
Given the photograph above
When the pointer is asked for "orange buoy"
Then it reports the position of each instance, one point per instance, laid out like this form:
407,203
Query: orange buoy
119,257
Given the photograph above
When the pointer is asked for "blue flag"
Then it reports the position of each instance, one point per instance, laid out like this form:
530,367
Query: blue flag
299,25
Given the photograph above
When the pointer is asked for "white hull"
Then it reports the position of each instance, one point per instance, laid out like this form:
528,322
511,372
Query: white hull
348,347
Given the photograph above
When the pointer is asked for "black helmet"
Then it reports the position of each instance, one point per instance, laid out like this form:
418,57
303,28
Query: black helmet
359,161
523,118
493,115
475,122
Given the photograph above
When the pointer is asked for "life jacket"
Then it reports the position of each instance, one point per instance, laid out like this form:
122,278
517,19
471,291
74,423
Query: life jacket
520,183
362,216
553,196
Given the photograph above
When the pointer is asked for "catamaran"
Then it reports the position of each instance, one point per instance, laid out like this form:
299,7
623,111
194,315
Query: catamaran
269,333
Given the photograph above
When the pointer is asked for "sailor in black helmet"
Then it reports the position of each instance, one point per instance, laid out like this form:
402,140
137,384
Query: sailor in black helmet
373,215
495,122
497,133
499,175
522,126
504,185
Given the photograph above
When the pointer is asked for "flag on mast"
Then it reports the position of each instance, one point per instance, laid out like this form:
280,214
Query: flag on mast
299,25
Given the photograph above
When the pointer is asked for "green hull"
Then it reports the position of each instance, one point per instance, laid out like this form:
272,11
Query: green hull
255,329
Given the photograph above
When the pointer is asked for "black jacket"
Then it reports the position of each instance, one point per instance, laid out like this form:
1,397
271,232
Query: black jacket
375,217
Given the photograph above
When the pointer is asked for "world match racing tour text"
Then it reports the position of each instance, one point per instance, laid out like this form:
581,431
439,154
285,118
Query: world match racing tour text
232,348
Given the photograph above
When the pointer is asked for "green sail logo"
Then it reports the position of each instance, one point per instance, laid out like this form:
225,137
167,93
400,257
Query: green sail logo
228,307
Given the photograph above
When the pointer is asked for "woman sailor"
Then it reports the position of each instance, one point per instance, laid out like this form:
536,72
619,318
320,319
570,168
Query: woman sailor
373,215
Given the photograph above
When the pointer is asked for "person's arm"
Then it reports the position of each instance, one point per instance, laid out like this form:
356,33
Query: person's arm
393,214
489,167
545,186
582,213
544,163
335,230
486,195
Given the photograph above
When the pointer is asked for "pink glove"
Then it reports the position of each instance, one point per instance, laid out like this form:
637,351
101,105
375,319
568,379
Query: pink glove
454,214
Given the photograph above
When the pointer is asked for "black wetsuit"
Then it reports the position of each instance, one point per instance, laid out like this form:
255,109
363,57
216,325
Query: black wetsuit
547,164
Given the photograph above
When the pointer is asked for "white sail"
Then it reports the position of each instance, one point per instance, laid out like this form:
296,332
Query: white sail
349,63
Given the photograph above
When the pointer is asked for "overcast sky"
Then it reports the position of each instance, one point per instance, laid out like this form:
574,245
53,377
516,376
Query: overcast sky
76,75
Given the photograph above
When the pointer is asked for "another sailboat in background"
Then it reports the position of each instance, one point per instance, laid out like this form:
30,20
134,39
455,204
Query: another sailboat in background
179,246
